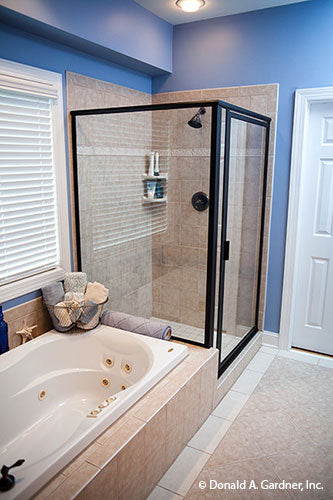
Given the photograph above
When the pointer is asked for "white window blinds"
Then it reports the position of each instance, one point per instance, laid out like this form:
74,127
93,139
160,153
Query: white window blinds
28,218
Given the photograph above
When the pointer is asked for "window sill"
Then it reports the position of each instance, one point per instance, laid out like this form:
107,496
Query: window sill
30,284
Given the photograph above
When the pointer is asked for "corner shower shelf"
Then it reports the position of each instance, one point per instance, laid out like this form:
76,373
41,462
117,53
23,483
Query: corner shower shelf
146,177
146,200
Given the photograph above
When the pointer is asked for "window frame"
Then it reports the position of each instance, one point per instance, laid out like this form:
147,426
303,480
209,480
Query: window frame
26,79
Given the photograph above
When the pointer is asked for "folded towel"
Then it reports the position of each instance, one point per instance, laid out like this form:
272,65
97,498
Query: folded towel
89,312
75,282
53,293
96,292
135,324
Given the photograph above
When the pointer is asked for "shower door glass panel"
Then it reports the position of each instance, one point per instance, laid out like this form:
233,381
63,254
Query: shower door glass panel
150,254
243,231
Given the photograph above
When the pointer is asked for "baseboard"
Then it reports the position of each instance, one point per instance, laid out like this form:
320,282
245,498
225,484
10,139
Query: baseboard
270,338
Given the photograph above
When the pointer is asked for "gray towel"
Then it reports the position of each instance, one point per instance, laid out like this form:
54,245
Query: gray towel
94,321
89,312
136,325
53,293
75,282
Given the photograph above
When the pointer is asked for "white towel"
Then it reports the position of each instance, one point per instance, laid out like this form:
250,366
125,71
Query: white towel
96,292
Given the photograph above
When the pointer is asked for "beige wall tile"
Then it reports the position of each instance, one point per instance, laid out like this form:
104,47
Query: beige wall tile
103,455
130,460
136,488
104,485
28,314
79,460
154,433
154,469
75,483
50,487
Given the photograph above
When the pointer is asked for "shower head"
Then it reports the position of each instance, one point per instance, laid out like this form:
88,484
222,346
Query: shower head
195,121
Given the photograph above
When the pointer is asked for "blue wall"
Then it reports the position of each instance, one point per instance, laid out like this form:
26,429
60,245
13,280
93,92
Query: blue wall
290,45
25,48
121,29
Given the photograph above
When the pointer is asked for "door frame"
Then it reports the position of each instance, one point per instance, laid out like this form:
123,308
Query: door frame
303,99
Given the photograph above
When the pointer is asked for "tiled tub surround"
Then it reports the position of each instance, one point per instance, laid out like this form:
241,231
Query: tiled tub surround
72,375
275,424
130,457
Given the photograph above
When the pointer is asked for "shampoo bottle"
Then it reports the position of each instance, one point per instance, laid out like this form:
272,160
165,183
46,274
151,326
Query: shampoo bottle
3,334
151,165
157,167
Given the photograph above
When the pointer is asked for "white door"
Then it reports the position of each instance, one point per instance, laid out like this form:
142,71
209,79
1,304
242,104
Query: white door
313,320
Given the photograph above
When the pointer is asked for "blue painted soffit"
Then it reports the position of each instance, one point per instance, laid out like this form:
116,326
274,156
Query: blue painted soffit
120,31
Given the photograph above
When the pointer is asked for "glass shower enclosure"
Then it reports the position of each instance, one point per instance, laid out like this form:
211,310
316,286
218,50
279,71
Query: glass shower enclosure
184,246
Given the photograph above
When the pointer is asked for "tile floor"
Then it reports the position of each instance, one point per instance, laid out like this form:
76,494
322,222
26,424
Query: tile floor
197,334
275,424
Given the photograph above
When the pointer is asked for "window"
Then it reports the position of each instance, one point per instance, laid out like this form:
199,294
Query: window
34,227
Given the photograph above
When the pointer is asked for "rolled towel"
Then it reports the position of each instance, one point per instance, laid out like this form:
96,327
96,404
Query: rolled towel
77,296
62,313
53,293
75,282
135,324
89,311
96,292
56,322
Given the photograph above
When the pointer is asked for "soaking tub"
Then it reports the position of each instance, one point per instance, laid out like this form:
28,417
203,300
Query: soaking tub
60,391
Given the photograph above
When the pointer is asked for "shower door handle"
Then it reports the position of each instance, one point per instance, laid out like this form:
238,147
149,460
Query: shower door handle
226,250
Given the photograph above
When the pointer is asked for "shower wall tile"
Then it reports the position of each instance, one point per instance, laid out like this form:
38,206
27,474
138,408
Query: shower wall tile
124,268
222,93
83,92
190,164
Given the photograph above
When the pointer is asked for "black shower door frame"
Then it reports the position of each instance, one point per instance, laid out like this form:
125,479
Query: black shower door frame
261,121
232,112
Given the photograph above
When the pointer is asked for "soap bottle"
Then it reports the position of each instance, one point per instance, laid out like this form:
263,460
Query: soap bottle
159,190
3,333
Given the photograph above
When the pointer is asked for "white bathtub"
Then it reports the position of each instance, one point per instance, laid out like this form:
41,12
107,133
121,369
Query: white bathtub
49,386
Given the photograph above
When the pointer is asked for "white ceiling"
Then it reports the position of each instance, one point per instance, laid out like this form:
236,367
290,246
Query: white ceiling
167,9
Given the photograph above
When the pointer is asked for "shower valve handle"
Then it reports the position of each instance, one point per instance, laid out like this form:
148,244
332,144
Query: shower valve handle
7,481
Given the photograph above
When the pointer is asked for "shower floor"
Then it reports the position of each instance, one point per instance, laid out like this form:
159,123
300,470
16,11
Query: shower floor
188,332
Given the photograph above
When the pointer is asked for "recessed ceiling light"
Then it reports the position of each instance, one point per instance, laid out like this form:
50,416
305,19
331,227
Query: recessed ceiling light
190,5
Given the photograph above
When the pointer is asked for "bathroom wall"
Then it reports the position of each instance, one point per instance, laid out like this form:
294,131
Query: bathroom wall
179,264
23,47
120,31
287,45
